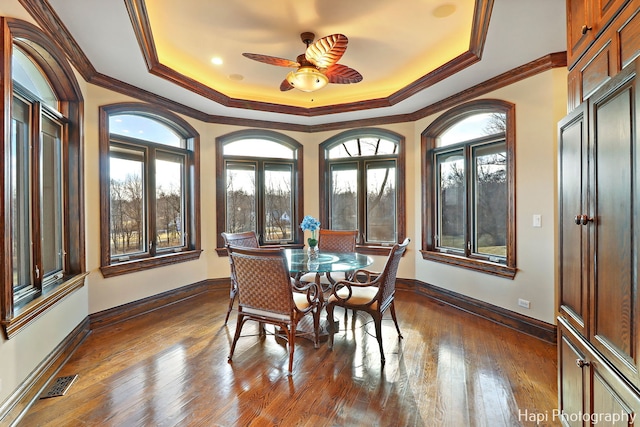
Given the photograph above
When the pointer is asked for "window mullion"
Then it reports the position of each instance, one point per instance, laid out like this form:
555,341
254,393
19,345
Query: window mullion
150,174
469,191
362,192
259,208
36,186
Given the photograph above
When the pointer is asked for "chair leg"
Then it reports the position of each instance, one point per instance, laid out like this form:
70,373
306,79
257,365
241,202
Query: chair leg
232,298
395,319
291,333
377,320
332,325
316,327
239,325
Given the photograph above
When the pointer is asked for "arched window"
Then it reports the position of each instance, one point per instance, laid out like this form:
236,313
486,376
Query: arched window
149,188
468,165
362,186
42,195
258,186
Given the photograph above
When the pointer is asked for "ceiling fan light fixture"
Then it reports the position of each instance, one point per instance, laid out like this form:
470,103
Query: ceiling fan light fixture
307,79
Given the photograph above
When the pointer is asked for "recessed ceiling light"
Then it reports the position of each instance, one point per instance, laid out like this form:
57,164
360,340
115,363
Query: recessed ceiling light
216,60
236,77
444,10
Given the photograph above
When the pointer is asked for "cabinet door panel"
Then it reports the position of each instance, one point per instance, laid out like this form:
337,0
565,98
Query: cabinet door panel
573,258
578,16
603,11
613,402
614,285
573,379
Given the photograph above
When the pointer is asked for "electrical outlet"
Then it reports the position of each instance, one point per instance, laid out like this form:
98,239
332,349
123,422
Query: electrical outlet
524,303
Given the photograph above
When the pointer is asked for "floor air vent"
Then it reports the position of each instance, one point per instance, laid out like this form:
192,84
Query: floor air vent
59,387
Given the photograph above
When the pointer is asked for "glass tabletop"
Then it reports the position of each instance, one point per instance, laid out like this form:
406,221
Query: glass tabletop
299,261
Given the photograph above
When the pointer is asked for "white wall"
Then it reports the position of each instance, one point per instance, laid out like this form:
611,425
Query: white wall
20,355
540,103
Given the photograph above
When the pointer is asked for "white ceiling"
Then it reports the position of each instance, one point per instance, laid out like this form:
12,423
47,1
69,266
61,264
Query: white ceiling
391,43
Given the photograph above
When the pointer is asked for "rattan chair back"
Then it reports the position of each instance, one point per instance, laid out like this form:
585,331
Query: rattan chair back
337,240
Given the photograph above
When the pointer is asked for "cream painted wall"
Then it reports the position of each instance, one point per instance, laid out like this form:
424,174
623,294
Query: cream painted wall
540,104
22,354
535,151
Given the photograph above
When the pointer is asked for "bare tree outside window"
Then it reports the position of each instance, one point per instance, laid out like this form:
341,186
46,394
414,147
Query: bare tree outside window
468,177
362,186
260,186
127,216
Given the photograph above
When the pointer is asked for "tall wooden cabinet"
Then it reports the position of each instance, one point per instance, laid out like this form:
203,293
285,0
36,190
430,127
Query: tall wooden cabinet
599,215
599,231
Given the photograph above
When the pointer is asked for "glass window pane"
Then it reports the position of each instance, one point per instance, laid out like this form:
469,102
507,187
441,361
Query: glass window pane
472,127
258,148
490,200
343,203
145,128
241,197
381,202
128,223
450,199
27,73
376,147
20,171
367,146
169,200
278,202
51,224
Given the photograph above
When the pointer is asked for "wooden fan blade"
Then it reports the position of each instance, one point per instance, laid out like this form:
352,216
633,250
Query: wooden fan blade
341,74
327,50
271,60
285,85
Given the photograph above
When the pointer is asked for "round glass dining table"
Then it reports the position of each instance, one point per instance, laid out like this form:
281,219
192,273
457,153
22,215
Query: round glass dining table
325,262
322,263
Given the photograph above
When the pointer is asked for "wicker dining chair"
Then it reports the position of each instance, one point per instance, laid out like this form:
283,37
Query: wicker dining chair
343,241
265,294
375,294
247,239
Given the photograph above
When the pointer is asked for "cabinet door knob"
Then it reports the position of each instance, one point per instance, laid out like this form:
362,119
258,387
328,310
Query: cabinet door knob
582,363
582,219
586,28
586,219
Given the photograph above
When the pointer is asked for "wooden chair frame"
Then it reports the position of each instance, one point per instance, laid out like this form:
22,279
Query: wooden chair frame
265,294
369,291
247,239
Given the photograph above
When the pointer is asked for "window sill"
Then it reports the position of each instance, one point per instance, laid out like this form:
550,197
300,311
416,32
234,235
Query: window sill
486,267
374,250
147,263
222,252
30,311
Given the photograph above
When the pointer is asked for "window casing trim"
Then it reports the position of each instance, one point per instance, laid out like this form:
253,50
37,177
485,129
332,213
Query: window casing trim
297,184
110,266
398,158
53,64
430,250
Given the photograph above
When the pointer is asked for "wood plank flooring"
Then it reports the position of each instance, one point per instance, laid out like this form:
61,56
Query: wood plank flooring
169,368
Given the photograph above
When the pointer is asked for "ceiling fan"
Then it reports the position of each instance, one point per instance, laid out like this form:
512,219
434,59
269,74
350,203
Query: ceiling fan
317,66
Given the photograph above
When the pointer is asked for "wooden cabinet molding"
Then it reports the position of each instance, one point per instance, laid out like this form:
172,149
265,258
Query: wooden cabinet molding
613,50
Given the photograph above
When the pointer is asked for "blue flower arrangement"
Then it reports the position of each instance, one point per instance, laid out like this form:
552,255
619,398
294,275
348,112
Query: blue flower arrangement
311,224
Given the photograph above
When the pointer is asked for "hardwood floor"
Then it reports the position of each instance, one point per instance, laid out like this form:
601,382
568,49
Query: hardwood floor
169,368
